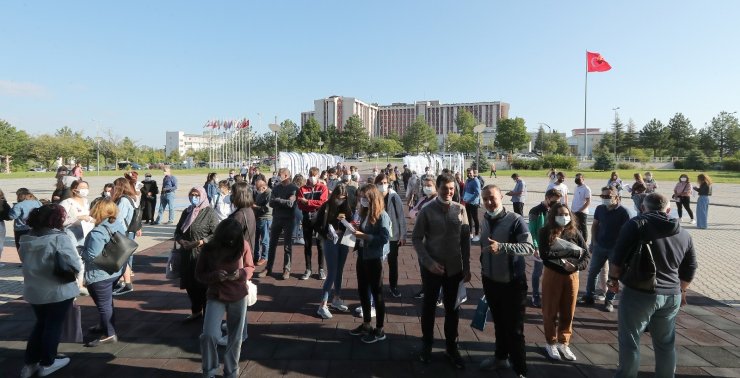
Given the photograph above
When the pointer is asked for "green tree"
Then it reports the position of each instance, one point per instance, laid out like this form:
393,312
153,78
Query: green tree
540,140
465,122
725,131
385,146
310,135
511,134
14,145
288,135
681,135
629,140
331,138
653,136
558,143
607,142
174,157
603,159
354,136
462,143
417,134
706,142
618,128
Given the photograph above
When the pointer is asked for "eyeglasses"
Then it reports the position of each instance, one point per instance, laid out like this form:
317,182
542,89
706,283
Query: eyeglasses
606,196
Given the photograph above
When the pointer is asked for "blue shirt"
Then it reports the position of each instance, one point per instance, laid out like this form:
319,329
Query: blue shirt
169,184
519,187
20,213
610,222
472,191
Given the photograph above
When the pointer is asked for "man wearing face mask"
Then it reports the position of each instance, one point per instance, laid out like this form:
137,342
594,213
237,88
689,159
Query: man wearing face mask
581,201
537,220
413,189
504,243
263,215
559,185
283,201
441,239
310,198
333,180
258,176
609,218
394,208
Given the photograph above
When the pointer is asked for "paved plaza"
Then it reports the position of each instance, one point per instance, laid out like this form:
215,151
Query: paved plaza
286,337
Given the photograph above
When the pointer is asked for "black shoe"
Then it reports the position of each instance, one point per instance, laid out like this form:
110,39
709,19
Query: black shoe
361,330
124,290
426,354
395,292
95,329
107,340
155,223
455,358
588,301
419,295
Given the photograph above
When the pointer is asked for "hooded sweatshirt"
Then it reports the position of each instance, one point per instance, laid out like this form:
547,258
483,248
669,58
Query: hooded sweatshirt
673,249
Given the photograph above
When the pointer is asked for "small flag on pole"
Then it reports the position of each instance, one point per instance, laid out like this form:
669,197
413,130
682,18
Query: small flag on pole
596,63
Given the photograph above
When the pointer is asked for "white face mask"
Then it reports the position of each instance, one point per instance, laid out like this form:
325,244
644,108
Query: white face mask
382,188
562,220
84,192
347,177
364,202
606,201
443,201
495,212
106,194
683,179
428,190
339,202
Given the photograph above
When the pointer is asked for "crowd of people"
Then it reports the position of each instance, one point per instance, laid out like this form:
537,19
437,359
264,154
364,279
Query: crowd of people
230,231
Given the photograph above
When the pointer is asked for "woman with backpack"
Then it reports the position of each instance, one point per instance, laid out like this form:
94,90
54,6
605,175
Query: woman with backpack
124,196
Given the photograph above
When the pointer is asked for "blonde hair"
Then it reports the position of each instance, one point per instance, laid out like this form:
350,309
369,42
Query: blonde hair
703,178
104,209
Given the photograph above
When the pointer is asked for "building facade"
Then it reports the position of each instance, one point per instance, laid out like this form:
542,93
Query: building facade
582,142
336,110
178,140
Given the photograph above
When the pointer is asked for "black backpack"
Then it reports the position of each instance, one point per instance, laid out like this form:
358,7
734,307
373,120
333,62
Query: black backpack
135,224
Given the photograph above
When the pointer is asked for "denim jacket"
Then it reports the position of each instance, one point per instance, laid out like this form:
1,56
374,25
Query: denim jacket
20,212
40,285
378,236
94,244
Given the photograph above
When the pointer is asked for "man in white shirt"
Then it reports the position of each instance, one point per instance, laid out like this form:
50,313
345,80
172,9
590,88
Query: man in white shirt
581,201
559,185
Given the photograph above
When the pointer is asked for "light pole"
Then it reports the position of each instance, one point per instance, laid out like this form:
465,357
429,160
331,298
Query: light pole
97,140
321,145
478,129
615,131
542,150
275,127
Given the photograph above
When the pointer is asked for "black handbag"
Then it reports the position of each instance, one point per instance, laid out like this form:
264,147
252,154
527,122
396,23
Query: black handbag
639,272
63,269
135,224
116,252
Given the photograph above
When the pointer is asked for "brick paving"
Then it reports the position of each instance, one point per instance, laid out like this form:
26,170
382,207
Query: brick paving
286,338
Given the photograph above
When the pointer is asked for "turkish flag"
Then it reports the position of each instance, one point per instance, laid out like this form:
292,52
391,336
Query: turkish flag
596,63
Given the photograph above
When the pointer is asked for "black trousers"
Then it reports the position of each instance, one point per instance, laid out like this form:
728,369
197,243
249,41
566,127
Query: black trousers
393,264
370,280
47,331
507,302
431,283
518,207
17,236
472,211
102,294
684,202
582,224
284,226
308,240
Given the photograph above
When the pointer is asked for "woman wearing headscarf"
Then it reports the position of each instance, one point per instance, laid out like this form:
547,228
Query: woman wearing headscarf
49,297
149,191
195,228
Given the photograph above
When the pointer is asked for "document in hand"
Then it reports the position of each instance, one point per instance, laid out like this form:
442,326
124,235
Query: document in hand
348,226
462,294
348,239
563,247
333,234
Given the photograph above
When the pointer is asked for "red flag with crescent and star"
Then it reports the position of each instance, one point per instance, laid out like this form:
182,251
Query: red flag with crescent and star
596,63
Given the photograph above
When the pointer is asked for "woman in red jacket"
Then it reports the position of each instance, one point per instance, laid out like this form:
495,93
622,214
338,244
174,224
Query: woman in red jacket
225,264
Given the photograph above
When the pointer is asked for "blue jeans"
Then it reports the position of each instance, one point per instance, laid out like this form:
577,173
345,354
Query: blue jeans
102,294
536,275
166,199
236,313
262,238
599,257
44,340
636,311
702,211
336,256
298,219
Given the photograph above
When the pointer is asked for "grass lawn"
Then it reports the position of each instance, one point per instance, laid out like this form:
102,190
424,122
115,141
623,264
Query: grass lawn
626,175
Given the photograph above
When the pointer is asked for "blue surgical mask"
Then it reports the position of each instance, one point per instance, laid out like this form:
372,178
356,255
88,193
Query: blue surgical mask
495,212
195,201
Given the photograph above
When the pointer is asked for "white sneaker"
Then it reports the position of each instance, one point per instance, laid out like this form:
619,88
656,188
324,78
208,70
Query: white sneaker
28,371
358,310
566,352
324,312
476,239
339,305
552,351
58,364
693,221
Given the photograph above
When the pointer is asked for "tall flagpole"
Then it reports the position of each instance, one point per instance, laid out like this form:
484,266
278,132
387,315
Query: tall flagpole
585,107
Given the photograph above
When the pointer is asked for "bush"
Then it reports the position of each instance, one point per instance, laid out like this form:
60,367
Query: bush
625,166
603,162
731,165
559,162
526,164
695,161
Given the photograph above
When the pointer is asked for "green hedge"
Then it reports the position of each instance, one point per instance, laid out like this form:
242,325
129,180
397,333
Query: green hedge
526,164
555,161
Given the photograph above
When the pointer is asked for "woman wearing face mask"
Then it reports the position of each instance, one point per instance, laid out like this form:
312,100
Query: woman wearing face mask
107,189
149,191
124,196
615,182
331,213
429,191
682,196
394,208
194,229
650,184
702,204
78,212
564,253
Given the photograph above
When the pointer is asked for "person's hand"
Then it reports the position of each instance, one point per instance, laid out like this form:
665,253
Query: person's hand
222,275
292,198
508,193
340,217
466,276
536,253
401,242
234,276
138,234
437,268
683,298
494,246
612,286
361,235
569,267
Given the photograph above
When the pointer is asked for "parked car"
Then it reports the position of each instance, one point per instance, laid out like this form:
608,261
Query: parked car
37,169
401,154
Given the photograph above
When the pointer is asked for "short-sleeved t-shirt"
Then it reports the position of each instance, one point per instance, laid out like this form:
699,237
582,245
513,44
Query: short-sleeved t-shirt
610,223
562,188
581,193
519,187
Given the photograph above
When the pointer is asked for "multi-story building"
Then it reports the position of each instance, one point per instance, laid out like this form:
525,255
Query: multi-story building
336,110
178,140
587,139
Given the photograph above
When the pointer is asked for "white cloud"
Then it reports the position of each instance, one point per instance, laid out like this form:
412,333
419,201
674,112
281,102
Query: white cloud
19,89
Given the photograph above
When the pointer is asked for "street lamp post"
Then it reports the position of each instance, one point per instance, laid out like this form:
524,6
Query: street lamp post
551,130
97,140
275,127
478,129
615,132
321,145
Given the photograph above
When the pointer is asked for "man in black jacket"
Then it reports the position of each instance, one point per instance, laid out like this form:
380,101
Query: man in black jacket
675,266
283,203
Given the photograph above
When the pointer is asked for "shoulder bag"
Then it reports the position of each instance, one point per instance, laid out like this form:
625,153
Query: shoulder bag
135,224
115,253
638,271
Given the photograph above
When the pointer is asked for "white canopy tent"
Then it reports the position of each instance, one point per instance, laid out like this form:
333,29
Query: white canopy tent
452,161
298,162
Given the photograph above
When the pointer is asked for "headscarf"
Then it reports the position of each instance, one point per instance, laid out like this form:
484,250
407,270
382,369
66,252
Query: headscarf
194,210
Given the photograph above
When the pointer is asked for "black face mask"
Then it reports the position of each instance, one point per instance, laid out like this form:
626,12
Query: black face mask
579,181
552,203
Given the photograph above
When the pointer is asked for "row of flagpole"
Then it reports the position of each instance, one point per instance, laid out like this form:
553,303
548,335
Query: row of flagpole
226,149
